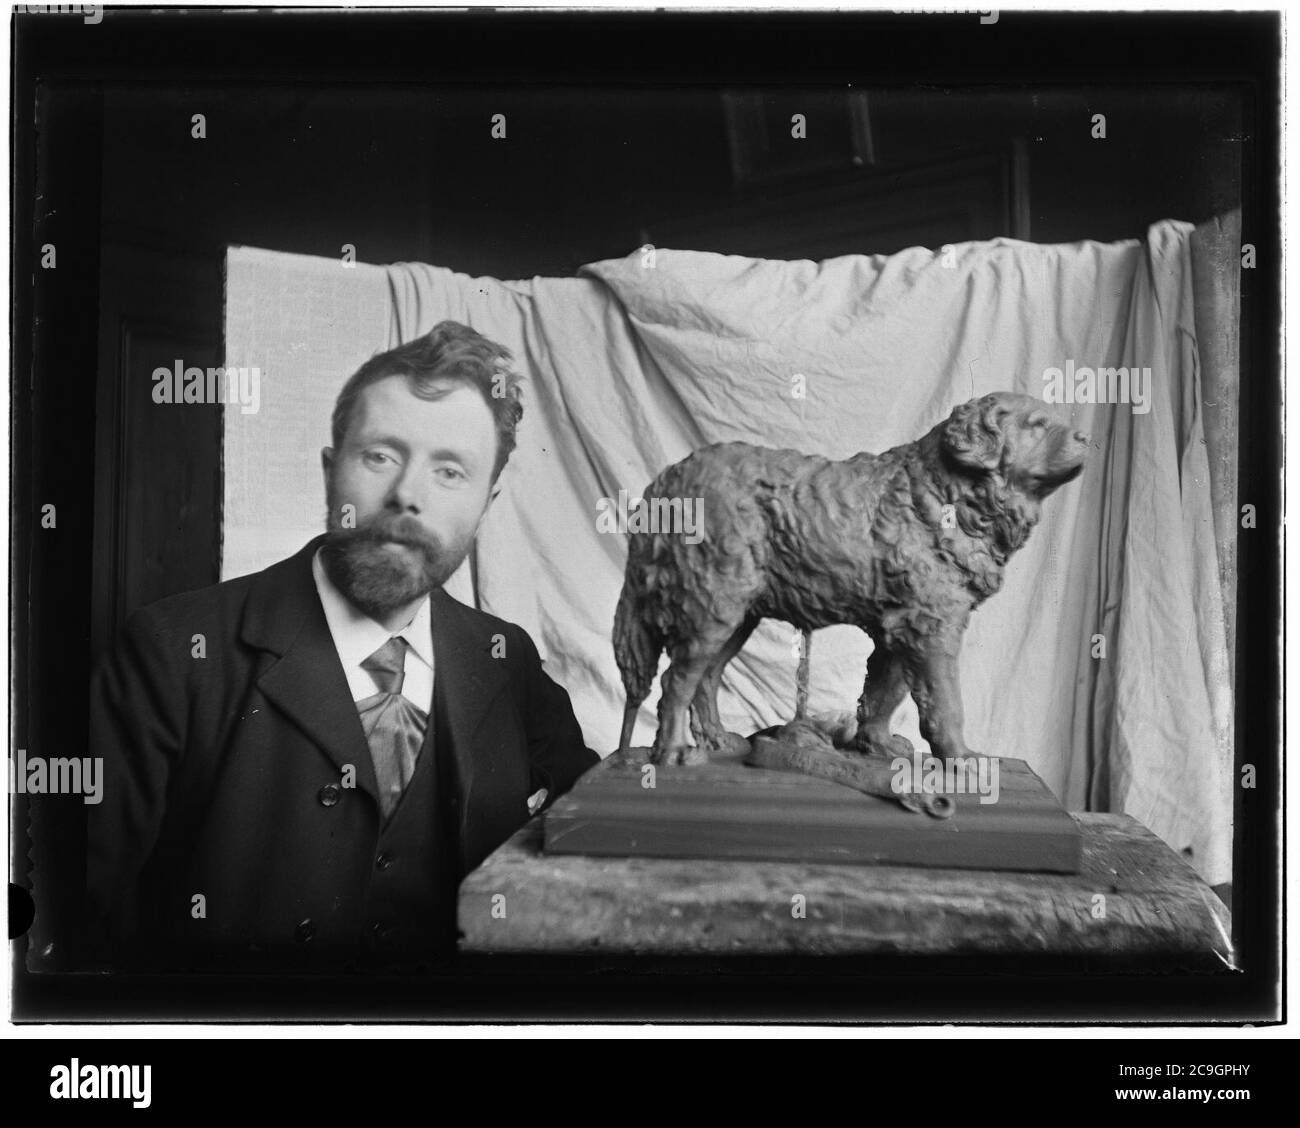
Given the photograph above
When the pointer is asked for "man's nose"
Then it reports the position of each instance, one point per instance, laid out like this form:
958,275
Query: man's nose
405,493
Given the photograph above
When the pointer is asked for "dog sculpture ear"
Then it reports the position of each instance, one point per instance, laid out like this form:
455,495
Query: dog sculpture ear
972,437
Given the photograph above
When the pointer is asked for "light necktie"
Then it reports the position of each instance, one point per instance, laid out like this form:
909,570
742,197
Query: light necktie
394,726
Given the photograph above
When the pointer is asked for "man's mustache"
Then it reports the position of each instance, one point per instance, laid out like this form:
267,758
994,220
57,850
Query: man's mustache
384,530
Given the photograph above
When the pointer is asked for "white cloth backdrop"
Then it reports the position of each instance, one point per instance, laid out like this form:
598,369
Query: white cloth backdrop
640,360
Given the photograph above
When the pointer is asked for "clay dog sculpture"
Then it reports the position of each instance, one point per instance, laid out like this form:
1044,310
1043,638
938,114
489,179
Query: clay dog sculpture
903,544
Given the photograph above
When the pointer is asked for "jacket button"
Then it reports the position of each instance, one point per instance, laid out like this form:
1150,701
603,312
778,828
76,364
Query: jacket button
330,794
384,861
305,931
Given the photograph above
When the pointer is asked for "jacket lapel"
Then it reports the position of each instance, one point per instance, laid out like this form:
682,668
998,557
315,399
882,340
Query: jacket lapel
305,679
468,678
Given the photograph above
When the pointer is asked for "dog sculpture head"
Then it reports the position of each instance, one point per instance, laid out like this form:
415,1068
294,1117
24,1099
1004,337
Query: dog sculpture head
1016,437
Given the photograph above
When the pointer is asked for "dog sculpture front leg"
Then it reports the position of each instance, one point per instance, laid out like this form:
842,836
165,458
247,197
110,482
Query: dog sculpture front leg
936,688
884,691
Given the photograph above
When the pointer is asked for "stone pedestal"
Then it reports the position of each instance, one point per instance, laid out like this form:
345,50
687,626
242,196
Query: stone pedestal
1134,899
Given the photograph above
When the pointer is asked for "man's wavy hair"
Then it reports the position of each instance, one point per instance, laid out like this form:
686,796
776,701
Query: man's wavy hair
450,354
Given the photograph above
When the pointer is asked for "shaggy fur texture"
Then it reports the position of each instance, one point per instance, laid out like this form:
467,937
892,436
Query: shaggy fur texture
903,544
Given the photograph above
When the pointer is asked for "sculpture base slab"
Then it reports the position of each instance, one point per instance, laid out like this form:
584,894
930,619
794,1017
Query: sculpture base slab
725,810
1159,917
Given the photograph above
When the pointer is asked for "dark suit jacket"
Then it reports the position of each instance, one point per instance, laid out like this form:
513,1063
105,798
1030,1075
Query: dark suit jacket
216,750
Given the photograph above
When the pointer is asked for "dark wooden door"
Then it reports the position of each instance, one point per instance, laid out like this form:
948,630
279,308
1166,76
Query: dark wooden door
157,465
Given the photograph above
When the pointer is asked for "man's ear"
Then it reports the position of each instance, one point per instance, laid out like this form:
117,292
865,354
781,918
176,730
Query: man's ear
327,469
487,505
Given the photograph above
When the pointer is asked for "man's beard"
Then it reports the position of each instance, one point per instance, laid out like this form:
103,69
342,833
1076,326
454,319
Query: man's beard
377,579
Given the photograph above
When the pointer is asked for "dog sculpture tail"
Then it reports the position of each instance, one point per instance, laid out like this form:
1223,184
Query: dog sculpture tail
636,650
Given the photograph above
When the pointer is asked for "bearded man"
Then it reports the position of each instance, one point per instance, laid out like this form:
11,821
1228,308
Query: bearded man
300,765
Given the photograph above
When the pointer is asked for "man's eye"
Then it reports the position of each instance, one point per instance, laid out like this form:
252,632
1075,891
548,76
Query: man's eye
450,474
376,457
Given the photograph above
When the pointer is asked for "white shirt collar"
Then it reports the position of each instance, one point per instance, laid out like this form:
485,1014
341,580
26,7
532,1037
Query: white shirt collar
356,635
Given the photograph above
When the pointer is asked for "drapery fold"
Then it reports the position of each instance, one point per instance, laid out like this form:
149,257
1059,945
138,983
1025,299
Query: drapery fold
1103,662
